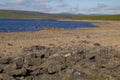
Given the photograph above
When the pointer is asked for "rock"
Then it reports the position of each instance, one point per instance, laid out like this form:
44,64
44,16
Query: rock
52,44
9,68
19,62
29,78
79,75
88,36
36,62
92,58
39,71
43,55
53,69
1,70
20,78
96,44
28,59
6,77
52,66
41,78
33,48
26,50
49,66
18,73
5,60
53,63
36,72
37,47
30,55
2,55
10,44
28,62
47,77
70,61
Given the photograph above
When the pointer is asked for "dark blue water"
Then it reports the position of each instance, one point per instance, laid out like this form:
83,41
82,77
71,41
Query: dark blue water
21,25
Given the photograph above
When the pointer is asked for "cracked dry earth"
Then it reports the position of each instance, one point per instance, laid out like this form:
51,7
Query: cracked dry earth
78,62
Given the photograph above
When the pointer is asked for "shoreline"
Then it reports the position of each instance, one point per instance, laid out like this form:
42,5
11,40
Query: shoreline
90,20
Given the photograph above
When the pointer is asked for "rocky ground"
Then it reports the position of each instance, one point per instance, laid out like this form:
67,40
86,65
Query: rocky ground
78,62
79,54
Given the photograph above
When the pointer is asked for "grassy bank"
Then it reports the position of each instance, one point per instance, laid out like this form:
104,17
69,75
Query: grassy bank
102,17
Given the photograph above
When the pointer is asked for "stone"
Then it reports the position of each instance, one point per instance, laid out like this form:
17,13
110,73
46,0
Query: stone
37,47
29,78
80,75
19,62
35,72
30,55
96,44
36,62
61,63
5,60
53,69
92,58
2,55
9,68
20,72
10,44
43,55
38,78
1,70
6,77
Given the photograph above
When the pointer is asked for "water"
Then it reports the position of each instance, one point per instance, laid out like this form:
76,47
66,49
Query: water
21,25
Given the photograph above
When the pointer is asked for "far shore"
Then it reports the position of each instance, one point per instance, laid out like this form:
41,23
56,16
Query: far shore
89,20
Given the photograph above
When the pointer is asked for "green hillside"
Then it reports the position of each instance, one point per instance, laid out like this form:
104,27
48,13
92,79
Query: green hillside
102,17
27,14
39,15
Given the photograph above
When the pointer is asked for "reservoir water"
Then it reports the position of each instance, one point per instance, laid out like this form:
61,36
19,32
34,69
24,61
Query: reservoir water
22,25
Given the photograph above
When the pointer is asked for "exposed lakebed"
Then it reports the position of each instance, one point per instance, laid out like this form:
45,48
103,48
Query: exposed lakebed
21,25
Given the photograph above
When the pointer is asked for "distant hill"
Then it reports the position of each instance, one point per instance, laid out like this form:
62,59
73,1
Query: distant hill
97,17
40,15
30,14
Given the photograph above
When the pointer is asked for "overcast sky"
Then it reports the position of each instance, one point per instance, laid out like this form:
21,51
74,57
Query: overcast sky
64,6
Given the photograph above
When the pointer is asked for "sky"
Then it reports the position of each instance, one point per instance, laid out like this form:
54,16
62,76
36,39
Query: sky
64,6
